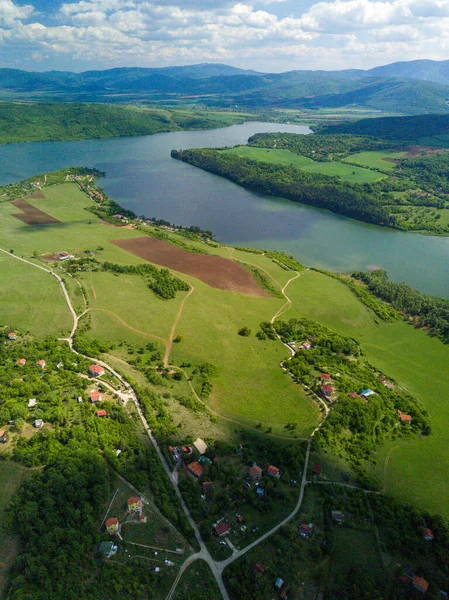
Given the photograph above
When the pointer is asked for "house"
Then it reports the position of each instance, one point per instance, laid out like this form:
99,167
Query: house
195,468
38,423
3,436
107,549
306,346
420,584
64,255
95,397
305,530
117,216
353,395
428,534
260,492
338,516
404,418
187,450
366,393
324,377
240,518
207,488
278,583
222,529
12,336
101,413
255,473
317,468
32,402
21,361
200,446
273,471
258,567
327,390
80,400
41,364
96,370
134,503
112,525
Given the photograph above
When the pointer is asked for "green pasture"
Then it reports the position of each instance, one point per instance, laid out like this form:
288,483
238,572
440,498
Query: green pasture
375,160
287,158
250,386
78,231
31,300
417,362
197,582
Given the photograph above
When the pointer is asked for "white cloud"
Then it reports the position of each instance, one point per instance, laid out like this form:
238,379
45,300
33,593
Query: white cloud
10,13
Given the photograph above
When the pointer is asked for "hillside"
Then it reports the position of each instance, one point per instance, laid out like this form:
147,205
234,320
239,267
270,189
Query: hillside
411,128
225,86
20,122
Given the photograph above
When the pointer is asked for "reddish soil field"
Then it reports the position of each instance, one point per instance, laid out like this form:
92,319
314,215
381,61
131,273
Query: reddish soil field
37,194
32,215
220,273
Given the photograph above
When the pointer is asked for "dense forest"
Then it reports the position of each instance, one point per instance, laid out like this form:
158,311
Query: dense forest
363,202
426,311
49,121
431,172
404,129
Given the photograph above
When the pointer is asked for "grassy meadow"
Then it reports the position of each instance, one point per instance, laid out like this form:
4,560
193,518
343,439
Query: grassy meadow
285,157
375,159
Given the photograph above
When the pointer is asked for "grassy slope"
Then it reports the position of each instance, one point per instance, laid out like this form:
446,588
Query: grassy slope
416,361
285,157
375,159
44,312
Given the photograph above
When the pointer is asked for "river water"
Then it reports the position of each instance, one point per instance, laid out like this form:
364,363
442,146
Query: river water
140,175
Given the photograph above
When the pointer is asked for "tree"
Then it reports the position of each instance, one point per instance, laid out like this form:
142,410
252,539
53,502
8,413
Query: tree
244,331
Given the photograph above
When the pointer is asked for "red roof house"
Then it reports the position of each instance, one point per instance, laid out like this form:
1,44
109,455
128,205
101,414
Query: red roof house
259,568
195,468
420,584
12,336
327,390
428,534
404,418
21,361
96,370
95,397
273,471
222,529
101,413
112,525
317,468
325,377
134,503
41,363
305,530
255,473
353,395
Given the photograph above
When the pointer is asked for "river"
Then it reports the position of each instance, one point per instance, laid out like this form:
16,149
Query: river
140,175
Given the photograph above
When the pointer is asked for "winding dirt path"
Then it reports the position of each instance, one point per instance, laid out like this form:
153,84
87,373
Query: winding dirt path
124,324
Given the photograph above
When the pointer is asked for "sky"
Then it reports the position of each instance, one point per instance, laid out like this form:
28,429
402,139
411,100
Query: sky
265,35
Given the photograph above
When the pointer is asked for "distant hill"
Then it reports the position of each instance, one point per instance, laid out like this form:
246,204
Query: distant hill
387,89
395,128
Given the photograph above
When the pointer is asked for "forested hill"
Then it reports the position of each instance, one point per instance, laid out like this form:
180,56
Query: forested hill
49,121
395,128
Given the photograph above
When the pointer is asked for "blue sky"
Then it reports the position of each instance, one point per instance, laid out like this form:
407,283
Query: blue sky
266,35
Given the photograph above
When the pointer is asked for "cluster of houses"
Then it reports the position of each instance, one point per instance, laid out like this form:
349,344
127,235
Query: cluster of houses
23,361
255,472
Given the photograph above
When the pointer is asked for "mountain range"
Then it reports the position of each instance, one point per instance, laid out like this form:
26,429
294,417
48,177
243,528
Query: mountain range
420,86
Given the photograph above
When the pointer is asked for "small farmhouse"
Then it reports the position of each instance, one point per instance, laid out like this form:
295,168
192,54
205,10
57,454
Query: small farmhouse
96,370
222,529
273,471
41,363
95,397
12,336
101,413
134,504
21,361
112,525
195,468
420,584
3,436
428,534
255,473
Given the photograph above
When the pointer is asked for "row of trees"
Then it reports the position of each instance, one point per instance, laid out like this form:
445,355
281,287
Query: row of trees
427,311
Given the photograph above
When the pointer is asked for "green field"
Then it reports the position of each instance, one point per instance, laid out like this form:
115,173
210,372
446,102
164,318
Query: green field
416,361
285,157
42,312
197,583
375,160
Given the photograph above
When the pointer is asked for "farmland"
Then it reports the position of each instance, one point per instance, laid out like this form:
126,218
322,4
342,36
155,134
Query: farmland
381,159
349,173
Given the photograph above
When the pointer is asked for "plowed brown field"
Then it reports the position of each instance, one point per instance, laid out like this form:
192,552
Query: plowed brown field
32,215
220,273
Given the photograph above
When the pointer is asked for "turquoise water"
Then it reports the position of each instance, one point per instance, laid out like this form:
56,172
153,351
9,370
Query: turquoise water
141,176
